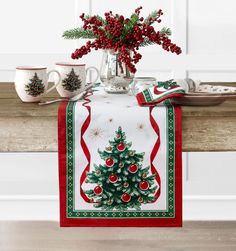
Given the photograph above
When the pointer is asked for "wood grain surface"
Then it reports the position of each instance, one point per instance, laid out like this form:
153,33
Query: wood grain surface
48,236
28,127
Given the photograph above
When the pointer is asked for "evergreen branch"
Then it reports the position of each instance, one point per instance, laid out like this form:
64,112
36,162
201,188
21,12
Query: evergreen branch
146,42
128,27
166,31
101,19
78,33
152,15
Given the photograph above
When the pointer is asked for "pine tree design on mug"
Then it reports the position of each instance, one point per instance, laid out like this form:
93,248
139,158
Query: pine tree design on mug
35,87
121,183
72,82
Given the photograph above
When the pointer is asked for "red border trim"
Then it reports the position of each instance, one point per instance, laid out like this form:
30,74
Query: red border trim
69,64
62,159
154,152
178,167
30,68
147,222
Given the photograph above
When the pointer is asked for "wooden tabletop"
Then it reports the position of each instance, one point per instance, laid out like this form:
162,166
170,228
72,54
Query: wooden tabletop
27,127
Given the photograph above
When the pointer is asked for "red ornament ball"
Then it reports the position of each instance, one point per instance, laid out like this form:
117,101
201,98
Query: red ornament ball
98,190
121,165
140,199
133,168
118,136
109,162
113,178
126,184
144,185
144,175
126,197
120,147
109,202
131,153
109,148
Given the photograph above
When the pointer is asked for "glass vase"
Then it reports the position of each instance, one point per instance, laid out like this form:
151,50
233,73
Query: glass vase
114,74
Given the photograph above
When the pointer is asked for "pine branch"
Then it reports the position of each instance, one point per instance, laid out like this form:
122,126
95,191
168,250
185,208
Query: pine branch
128,27
166,31
152,15
78,33
146,42
98,17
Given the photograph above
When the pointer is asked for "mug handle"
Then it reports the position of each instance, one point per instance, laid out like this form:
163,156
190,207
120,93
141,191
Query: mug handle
94,68
55,84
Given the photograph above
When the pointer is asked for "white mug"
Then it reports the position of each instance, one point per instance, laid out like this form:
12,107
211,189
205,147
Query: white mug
31,82
73,78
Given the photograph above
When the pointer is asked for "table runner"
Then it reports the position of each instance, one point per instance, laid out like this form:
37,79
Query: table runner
119,163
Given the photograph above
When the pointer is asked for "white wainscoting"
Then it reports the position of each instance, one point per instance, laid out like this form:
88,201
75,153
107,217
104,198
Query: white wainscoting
31,35
29,187
46,207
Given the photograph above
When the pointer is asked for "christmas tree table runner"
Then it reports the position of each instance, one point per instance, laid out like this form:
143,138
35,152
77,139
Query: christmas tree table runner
119,163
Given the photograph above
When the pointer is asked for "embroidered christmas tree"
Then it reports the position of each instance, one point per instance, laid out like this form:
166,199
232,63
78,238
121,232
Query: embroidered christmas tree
35,87
121,182
71,82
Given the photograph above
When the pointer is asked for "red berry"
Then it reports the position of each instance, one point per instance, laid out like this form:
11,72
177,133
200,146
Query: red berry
144,185
126,197
98,190
113,178
114,26
133,168
120,147
109,162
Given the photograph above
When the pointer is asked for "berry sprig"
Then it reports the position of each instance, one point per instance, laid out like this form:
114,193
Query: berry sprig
123,35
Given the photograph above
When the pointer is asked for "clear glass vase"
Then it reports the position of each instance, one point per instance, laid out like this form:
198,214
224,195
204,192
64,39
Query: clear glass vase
114,74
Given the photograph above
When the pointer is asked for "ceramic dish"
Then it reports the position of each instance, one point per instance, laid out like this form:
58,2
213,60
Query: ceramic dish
203,99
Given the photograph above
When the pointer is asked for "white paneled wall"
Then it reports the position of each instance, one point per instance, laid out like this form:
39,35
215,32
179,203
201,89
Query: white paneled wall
31,35
205,29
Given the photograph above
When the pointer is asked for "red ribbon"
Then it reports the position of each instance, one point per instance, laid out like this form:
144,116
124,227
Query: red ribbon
88,156
84,146
154,152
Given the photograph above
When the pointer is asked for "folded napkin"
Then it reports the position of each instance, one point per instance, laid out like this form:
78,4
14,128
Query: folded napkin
160,92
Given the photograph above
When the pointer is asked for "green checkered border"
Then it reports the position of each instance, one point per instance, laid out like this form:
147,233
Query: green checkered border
72,213
147,95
